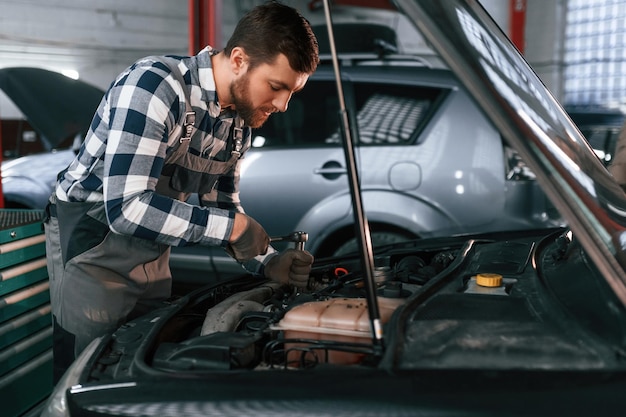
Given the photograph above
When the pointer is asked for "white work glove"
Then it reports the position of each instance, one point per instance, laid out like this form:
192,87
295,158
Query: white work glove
291,266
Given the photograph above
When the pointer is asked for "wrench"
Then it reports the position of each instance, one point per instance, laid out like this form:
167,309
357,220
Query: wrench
299,238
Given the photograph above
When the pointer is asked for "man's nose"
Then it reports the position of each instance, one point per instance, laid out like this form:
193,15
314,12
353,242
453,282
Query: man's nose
281,101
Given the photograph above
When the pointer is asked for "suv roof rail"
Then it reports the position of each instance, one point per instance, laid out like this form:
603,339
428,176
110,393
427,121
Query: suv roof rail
363,58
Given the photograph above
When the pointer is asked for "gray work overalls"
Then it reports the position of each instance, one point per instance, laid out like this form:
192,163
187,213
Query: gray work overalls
100,279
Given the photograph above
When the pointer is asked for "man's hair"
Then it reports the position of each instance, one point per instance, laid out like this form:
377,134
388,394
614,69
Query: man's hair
274,28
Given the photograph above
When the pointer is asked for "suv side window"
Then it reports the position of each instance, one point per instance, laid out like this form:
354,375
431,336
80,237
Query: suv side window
391,114
312,116
387,114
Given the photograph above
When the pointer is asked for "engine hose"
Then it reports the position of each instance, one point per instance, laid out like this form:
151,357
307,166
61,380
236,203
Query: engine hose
225,315
229,318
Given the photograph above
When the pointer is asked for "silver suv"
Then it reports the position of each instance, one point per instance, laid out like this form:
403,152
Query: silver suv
430,163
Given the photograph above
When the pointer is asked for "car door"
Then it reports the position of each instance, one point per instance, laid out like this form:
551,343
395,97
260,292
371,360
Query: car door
296,172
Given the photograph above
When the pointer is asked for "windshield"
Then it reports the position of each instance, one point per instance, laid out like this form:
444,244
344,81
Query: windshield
533,122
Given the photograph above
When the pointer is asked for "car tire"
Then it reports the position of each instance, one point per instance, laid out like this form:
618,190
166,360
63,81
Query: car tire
379,238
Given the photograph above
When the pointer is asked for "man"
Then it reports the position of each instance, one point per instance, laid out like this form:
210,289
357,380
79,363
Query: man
168,127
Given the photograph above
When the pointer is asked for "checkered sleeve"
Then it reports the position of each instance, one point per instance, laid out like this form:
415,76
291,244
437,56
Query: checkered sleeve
144,105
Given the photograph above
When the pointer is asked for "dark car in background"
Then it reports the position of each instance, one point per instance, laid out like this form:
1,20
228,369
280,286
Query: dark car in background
520,323
60,110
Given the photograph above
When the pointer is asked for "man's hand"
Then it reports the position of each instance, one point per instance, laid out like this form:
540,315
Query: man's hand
290,267
248,239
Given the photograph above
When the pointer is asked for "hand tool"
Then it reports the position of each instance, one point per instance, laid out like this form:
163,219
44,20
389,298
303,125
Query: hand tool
299,238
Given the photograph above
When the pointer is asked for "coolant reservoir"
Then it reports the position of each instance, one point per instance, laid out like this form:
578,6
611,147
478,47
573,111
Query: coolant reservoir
336,319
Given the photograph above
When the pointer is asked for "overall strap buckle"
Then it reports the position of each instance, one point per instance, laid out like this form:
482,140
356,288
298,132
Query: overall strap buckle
190,119
237,141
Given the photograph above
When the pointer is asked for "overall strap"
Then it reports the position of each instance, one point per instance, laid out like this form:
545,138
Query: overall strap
187,119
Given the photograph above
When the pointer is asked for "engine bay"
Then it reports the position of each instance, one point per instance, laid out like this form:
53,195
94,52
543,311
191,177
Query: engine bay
272,325
456,303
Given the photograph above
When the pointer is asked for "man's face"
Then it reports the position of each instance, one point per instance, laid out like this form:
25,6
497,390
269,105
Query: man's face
266,89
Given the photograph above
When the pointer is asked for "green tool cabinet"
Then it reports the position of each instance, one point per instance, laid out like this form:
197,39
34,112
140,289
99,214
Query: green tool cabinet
25,319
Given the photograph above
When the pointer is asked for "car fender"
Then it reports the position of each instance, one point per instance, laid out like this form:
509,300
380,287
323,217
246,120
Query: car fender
419,217
25,192
29,180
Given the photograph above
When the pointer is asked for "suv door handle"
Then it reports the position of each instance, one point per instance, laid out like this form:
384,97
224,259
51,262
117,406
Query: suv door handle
331,170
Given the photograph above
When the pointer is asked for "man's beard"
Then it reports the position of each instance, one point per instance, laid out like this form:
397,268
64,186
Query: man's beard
239,91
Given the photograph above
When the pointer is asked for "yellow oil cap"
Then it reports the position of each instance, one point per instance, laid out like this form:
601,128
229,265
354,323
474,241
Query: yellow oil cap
489,280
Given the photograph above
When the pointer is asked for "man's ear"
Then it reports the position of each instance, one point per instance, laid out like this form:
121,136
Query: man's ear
238,60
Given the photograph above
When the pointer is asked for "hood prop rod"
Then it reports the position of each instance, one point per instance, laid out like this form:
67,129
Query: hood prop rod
361,225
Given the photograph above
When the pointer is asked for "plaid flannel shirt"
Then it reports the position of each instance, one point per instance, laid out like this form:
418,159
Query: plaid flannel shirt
122,156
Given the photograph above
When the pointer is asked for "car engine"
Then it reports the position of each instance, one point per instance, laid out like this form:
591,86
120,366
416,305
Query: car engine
451,303
272,325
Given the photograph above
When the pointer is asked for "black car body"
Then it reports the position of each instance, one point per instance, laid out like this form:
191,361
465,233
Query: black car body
60,110
520,323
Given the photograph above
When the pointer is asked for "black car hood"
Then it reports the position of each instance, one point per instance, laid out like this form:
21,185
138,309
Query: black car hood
534,123
56,106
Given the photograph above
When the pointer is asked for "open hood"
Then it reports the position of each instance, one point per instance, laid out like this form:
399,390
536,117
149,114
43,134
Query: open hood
56,106
533,122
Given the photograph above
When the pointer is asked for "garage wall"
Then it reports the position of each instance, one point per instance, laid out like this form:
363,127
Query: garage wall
95,39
